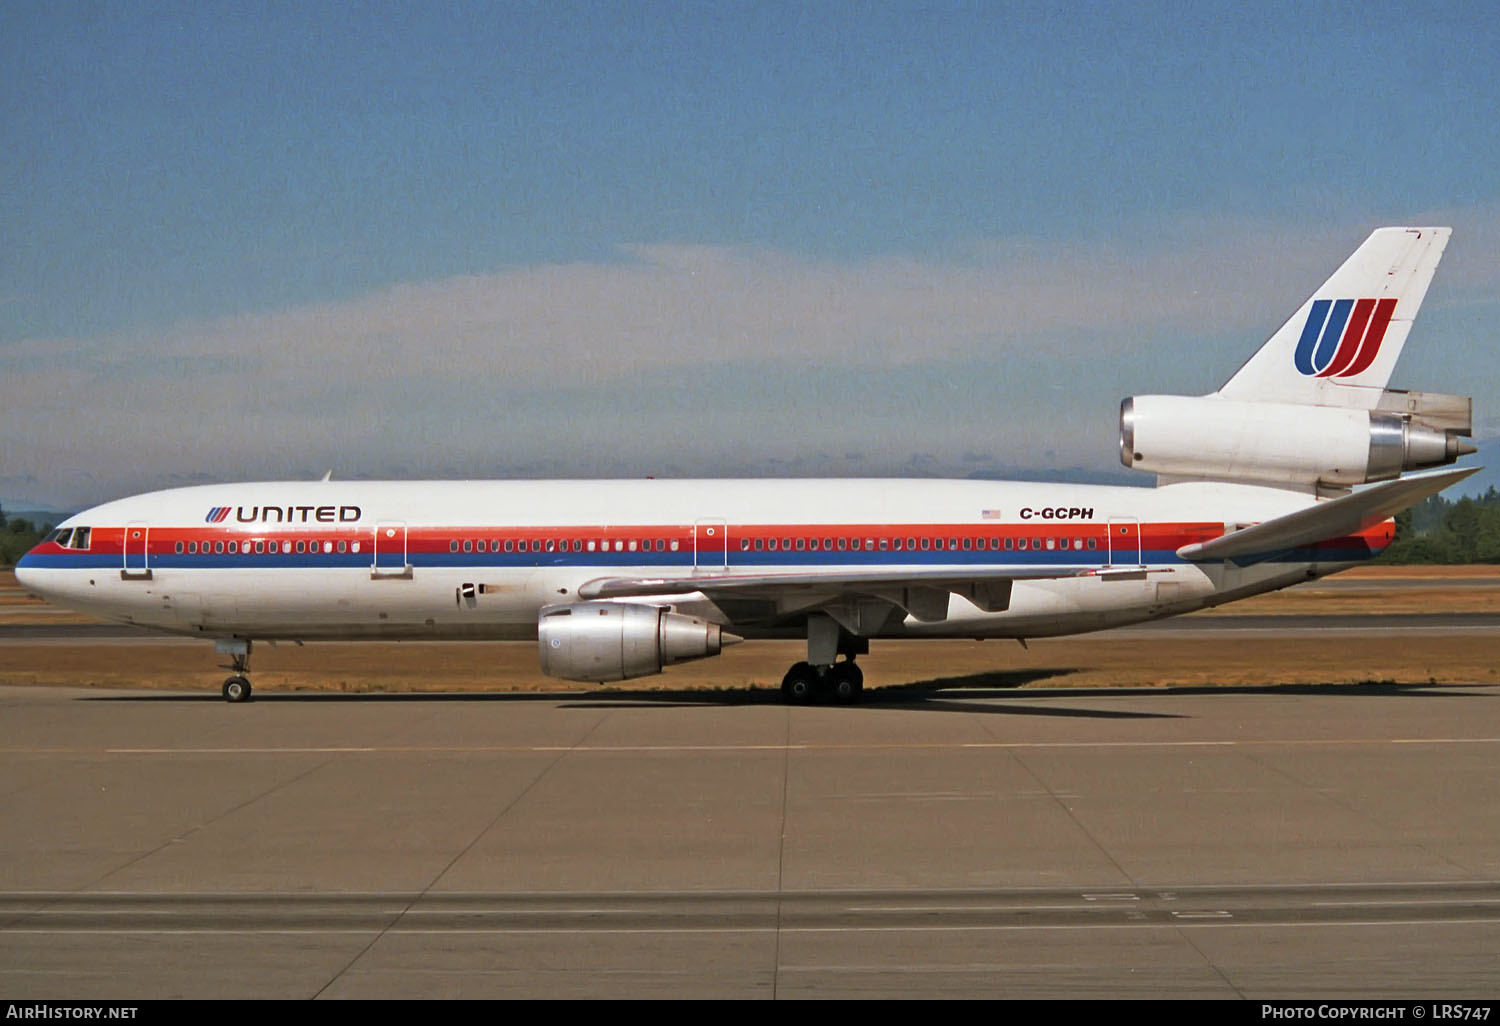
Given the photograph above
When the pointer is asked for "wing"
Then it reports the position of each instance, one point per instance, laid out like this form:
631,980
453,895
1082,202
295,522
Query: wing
1336,518
861,600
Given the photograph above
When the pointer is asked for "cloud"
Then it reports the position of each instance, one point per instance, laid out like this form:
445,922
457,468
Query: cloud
515,367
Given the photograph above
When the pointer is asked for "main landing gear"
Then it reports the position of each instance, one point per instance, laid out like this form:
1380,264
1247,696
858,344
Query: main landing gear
237,687
824,677
841,683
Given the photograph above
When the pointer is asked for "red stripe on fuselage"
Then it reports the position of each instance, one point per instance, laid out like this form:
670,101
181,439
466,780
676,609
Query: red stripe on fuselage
1154,537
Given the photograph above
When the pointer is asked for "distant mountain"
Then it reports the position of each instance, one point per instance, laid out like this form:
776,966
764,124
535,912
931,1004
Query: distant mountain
1071,475
35,516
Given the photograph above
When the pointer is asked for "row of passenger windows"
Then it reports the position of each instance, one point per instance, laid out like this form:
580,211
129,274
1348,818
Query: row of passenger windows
913,544
260,545
566,545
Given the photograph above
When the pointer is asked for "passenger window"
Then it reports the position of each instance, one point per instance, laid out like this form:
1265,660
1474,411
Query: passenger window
343,546
1036,543
219,547
801,544
1051,544
827,544
968,544
453,545
744,544
843,544
675,545
468,545
760,544
1093,543
1021,544
771,544
179,548
1010,543
812,543
327,547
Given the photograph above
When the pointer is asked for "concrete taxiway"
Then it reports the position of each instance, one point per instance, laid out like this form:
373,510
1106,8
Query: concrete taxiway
1242,842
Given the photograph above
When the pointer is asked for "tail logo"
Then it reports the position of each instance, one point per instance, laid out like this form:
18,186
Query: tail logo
1342,336
217,515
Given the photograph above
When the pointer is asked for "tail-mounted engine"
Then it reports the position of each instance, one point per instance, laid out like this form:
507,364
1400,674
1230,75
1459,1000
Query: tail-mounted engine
1286,444
604,641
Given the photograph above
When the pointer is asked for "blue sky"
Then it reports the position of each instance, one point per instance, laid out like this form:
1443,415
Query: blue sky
439,240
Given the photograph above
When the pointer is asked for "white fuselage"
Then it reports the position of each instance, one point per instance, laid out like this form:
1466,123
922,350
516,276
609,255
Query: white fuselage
479,560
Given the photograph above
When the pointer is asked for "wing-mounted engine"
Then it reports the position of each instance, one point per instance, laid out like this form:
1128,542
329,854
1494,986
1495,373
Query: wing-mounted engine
1291,444
605,641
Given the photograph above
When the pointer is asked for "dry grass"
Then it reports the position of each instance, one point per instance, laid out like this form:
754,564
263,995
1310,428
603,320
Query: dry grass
1103,660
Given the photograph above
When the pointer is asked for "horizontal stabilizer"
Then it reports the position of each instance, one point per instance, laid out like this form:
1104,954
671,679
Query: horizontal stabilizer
1335,518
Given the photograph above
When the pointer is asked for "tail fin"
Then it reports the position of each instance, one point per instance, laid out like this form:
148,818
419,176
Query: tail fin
1339,349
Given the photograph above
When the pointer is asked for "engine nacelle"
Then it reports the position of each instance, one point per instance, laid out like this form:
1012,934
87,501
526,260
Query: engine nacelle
604,641
1278,443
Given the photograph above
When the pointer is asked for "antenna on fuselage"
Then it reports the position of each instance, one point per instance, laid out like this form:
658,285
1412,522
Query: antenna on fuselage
328,475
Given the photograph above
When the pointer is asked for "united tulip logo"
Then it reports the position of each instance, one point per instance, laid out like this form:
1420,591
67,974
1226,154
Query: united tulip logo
1342,336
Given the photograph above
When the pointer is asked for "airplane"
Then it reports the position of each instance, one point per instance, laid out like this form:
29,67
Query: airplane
1256,490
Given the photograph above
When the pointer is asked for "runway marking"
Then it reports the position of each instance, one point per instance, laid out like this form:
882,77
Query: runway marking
807,747
1176,924
625,749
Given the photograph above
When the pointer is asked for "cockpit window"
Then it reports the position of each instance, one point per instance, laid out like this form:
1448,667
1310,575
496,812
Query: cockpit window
61,536
71,537
81,538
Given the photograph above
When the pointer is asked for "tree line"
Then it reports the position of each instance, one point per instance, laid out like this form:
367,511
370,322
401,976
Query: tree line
1436,530
17,537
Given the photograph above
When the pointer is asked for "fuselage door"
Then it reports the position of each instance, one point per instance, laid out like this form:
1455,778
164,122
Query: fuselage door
1124,541
390,557
710,545
137,563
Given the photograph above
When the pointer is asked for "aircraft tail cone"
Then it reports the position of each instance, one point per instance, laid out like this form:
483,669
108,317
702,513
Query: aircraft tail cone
726,639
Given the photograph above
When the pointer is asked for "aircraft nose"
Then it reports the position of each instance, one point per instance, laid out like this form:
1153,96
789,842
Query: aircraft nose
28,574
